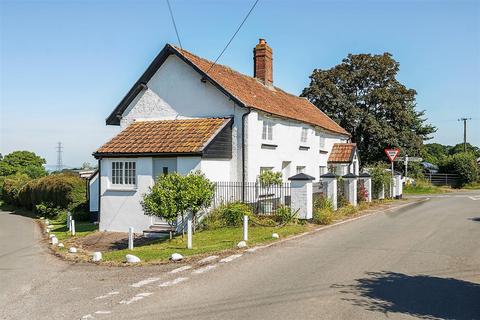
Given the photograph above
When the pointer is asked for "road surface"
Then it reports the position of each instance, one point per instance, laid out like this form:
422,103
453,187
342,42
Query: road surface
422,261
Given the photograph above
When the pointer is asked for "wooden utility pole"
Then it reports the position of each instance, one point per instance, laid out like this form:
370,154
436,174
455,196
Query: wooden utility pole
464,132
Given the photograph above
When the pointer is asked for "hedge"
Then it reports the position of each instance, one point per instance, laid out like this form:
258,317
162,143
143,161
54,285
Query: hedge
464,164
11,186
65,191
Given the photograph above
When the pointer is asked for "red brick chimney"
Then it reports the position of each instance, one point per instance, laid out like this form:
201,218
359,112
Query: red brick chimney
263,62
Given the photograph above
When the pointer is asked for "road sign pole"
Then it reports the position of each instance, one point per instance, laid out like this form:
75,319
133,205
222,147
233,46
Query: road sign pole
391,183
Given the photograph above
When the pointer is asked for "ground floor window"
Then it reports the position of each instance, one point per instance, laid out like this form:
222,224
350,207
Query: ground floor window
322,170
300,169
124,173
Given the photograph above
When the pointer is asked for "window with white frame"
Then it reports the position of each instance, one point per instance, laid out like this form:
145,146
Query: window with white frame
304,136
300,169
322,143
267,130
322,170
263,169
124,173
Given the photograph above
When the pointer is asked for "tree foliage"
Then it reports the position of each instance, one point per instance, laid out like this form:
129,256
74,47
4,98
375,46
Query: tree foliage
464,164
173,195
22,162
363,96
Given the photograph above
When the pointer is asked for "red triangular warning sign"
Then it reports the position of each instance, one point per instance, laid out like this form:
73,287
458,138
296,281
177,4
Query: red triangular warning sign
392,153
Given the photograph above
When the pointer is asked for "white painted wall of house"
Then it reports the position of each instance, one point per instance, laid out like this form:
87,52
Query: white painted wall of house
93,193
286,135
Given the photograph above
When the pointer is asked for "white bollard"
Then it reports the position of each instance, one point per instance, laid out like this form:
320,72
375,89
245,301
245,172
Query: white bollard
72,223
189,233
130,238
69,221
245,228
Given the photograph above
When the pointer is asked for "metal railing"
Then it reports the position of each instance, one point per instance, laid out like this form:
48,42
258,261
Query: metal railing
262,200
443,179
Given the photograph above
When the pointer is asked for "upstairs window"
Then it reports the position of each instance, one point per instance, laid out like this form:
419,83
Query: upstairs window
124,172
322,143
304,136
267,130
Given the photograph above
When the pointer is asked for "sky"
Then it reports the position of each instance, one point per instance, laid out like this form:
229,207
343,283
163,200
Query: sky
65,65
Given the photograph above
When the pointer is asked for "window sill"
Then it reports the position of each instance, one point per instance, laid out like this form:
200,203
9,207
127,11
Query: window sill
123,189
304,148
269,146
323,151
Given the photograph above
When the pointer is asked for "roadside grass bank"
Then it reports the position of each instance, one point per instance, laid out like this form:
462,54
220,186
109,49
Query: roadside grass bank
425,187
60,229
472,186
207,241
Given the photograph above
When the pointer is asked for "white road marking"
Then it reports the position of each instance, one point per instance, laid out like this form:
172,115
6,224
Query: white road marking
208,259
180,269
475,198
103,312
204,269
144,282
88,316
231,258
173,282
255,248
107,295
137,297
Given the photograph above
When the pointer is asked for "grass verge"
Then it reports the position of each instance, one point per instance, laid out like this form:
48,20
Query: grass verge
208,241
82,228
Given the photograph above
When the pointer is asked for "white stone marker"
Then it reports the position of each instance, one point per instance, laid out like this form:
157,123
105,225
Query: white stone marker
97,256
176,257
132,259
275,235
69,221
189,233
245,228
72,250
130,238
73,227
54,241
60,245
241,244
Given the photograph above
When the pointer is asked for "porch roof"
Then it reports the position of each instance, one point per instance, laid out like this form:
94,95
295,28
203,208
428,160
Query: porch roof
169,137
342,153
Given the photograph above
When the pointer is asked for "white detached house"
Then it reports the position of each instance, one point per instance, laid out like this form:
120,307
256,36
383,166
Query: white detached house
183,114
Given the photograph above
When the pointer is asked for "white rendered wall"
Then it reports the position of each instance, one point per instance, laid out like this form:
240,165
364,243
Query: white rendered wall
93,194
120,207
286,135
216,170
175,92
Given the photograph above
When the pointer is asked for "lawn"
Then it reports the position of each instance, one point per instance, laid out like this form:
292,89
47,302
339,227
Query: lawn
204,242
82,228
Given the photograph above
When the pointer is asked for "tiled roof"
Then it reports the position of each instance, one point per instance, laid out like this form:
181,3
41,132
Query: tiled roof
255,94
165,136
342,153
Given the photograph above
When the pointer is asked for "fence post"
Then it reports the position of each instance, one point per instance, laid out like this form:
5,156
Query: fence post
351,188
367,183
302,195
130,238
245,228
330,180
189,233
72,227
69,221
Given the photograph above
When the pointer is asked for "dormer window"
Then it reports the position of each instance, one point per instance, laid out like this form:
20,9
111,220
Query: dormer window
304,136
267,130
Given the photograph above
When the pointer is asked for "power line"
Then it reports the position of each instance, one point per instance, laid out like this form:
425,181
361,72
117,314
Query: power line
231,39
174,24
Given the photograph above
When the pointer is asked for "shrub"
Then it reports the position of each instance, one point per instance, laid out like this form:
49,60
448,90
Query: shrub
47,210
380,177
60,190
11,187
226,215
285,215
323,216
464,164
322,202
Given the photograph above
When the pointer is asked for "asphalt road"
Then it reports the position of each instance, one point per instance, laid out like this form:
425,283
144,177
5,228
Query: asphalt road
422,261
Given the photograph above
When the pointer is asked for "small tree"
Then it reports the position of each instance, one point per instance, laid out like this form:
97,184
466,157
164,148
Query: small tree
199,192
162,200
269,178
381,178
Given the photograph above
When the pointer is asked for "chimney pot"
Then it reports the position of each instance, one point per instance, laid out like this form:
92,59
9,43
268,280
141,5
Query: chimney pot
263,62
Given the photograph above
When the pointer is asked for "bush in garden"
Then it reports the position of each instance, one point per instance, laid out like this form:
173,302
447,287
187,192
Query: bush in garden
285,215
380,177
233,213
323,216
65,191
322,202
362,193
11,187
47,210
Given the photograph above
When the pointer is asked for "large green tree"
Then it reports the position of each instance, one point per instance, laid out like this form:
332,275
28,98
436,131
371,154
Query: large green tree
22,162
363,95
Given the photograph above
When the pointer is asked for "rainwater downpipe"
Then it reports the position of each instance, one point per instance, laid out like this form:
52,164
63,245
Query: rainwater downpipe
243,153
